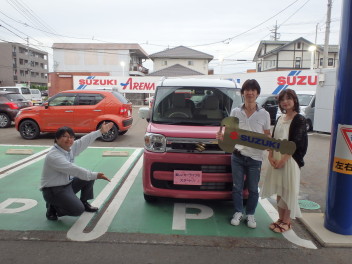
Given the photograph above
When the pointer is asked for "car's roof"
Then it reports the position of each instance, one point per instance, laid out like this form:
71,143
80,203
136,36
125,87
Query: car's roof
87,91
13,87
193,82
8,92
305,92
267,95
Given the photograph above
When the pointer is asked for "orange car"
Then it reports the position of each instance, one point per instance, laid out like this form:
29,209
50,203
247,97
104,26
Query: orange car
84,111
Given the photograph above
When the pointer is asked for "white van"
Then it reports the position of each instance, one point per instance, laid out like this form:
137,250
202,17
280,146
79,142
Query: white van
26,92
36,96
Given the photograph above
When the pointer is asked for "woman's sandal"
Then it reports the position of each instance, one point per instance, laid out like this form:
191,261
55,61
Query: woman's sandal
272,225
281,227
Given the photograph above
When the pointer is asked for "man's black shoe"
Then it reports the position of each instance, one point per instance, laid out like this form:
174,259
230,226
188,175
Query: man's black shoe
89,208
51,213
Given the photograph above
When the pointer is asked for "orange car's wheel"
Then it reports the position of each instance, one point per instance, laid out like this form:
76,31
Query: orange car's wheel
29,129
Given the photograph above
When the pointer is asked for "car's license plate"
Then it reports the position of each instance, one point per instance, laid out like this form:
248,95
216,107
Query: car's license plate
185,177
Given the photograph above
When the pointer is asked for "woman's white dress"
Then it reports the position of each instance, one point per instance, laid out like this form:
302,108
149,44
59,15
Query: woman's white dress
284,182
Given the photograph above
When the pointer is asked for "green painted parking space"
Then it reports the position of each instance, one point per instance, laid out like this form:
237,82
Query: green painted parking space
23,185
6,159
133,215
138,216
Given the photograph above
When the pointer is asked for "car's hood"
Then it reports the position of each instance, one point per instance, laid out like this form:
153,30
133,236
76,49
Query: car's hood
32,108
183,131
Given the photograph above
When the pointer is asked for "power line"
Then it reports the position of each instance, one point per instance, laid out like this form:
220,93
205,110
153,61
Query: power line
228,40
19,30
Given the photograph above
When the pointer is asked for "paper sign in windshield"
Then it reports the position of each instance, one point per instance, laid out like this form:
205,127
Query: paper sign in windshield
187,177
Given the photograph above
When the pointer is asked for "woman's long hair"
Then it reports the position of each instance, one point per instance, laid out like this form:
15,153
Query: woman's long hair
291,94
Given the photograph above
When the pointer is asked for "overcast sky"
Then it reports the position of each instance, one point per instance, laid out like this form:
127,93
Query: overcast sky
230,30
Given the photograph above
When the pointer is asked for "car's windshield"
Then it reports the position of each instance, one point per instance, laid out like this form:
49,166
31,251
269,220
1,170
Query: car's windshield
304,99
35,91
13,97
261,99
205,106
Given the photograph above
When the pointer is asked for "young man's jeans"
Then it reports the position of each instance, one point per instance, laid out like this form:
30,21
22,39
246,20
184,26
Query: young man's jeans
243,166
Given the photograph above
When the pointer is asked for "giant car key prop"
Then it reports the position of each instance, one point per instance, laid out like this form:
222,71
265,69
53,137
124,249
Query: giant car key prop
234,135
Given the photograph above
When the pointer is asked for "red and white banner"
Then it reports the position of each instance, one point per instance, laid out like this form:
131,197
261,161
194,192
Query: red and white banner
127,84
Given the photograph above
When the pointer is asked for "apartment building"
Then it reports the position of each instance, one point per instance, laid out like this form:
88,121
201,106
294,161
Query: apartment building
22,64
117,59
299,54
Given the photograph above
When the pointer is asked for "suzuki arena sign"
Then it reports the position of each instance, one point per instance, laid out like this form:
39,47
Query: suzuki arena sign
127,84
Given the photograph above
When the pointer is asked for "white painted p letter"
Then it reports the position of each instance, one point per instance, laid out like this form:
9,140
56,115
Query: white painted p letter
26,205
180,215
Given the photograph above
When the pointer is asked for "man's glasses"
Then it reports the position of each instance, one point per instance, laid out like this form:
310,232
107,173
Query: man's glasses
68,136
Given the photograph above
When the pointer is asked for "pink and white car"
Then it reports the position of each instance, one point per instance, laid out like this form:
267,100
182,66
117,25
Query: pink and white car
182,158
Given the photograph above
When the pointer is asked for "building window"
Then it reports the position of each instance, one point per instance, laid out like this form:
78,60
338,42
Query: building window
298,45
321,62
164,63
190,63
330,62
298,62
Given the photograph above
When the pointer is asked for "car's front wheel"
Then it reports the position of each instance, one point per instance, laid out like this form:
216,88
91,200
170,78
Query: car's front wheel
111,135
29,129
149,198
122,132
5,120
309,125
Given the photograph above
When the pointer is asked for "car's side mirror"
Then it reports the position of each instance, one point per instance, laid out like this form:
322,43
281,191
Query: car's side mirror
144,113
46,105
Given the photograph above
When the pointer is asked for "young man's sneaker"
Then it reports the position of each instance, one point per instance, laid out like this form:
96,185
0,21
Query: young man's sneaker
236,220
251,221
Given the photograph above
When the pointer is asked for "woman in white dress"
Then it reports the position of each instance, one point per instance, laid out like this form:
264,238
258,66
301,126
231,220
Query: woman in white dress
283,175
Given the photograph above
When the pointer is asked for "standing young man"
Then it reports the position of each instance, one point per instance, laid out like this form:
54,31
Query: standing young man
246,161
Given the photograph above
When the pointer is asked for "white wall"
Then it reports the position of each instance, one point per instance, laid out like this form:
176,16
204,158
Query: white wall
87,61
324,104
199,65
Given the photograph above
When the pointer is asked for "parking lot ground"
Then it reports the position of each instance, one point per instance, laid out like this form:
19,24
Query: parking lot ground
122,206
6,159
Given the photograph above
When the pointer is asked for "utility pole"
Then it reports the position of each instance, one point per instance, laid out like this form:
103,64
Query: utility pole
316,34
29,65
276,35
327,34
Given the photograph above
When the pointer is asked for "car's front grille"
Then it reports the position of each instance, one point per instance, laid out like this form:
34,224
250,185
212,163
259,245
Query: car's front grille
193,145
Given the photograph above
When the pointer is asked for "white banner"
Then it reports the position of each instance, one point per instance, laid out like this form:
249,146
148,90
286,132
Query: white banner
129,84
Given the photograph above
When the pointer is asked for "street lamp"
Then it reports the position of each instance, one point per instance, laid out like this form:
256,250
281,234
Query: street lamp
312,51
122,63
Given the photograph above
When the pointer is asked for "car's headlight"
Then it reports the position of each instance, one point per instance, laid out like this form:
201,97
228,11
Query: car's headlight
155,142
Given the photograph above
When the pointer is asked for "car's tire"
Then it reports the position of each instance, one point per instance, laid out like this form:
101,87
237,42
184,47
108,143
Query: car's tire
5,120
111,135
122,132
29,129
149,198
309,125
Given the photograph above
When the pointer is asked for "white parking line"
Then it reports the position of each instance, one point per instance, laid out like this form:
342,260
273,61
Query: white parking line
76,232
31,159
290,235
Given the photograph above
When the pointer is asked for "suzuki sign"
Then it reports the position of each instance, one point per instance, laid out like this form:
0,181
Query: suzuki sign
121,84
